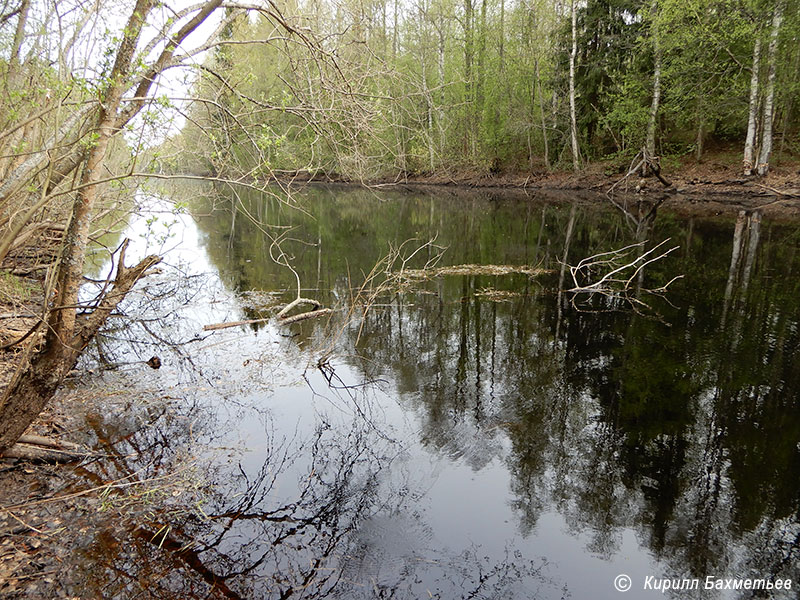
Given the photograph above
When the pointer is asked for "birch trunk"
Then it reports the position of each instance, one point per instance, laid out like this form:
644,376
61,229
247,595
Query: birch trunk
541,114
750,140
576,157
651,123
766,133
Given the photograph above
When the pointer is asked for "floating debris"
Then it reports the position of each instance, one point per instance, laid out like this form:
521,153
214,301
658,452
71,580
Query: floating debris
493,270
493,295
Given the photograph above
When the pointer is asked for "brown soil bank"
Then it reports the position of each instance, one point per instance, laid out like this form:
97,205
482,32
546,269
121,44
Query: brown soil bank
714,186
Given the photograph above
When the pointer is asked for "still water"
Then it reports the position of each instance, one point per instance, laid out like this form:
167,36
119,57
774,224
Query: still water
470,435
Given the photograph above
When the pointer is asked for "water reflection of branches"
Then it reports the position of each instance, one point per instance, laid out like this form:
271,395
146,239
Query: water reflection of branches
357,394
386,278
294,527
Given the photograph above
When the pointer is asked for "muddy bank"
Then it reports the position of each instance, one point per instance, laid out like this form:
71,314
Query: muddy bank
712,187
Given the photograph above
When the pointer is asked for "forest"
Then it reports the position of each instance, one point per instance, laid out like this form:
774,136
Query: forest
487,377
433,86
98,98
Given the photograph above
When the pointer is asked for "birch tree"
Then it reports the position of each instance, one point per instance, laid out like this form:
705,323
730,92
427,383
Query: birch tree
769,94
573,122
752,113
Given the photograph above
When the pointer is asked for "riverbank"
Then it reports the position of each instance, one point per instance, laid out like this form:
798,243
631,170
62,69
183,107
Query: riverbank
712,186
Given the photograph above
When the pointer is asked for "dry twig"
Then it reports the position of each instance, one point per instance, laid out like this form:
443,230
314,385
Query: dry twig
612,274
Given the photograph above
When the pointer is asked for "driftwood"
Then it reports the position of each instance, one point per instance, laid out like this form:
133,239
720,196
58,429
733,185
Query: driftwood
216,326
306,315
36,448
297,302
617,275
316,311
48,442
791,193
492,270
620,269
648,164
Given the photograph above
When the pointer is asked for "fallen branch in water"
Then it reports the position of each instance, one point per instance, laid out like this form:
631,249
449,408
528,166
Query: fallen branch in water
216,326
282,318
612,273
614,278
297,302
493,270
306,315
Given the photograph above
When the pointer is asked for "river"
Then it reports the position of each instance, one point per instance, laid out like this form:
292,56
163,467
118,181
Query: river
454,433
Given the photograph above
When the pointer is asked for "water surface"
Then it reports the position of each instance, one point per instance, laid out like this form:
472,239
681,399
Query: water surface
470,436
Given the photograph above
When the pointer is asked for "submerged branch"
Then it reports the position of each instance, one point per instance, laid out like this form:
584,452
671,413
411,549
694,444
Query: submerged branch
612,274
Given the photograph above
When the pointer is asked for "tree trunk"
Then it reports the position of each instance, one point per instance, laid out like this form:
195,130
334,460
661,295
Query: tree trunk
502,35
481,75
67,335
766,132
789,97
573,123
700,138
651,123
16,48
541,113
468,57
33,385
395,32
749,143
440,110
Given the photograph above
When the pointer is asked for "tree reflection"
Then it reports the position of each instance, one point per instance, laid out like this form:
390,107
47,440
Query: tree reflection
310,522
686,430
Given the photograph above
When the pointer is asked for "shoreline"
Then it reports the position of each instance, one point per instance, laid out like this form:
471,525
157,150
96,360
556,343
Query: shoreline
713,186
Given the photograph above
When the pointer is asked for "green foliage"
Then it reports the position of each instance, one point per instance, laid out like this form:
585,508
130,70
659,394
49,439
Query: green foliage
438,91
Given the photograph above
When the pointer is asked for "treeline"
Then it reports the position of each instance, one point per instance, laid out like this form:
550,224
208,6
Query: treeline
377,87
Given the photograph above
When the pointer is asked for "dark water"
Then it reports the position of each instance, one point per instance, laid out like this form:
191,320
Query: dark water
471,436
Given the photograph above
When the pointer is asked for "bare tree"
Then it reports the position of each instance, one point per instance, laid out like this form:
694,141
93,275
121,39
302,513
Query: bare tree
74,162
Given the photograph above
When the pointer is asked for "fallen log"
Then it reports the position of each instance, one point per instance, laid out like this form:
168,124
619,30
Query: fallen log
37,453
306,315
281,320
216,326
40,440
